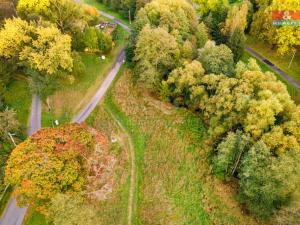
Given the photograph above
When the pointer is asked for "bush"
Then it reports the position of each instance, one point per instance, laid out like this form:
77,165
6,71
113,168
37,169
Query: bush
90,38
104,42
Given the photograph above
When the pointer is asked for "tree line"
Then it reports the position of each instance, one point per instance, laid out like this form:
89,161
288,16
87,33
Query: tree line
252,122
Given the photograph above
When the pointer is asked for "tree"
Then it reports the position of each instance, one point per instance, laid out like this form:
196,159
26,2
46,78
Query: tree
8,68
71,210
267,181
156,53
41,84
29,8
234,28
215,21
226,161
216,59
182,79
287,39
175,16
236,43
236,19
201,35
90,38
66,14
15,34
50,52
51,161
206,6
104,42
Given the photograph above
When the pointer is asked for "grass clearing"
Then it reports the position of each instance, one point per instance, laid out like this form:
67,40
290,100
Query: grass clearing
138,142
18,97
34,218
282,62
177,186
294,92
113,211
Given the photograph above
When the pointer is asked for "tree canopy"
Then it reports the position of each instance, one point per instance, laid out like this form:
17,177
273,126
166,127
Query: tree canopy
51,161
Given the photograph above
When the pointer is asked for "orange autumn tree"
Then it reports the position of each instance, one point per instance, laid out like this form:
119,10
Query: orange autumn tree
52,161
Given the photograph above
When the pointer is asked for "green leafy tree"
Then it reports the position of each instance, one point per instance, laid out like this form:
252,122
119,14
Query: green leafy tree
43,85
215,21
174,16
181,81
66,14
104,42
14,35
229,153
236,43
206,6
201,35
156,53
50,52
216,59
90,38
267,181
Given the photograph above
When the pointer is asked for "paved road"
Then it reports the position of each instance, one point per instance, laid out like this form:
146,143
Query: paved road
285,76
110,17
85,112
115,20
13,215
35,115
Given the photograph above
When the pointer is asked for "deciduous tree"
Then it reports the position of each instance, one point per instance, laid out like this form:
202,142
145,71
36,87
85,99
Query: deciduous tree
51,161
156,53
216,59
50,51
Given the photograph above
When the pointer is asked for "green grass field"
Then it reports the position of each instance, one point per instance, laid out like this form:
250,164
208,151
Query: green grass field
176,185
18,97
113,211
281,62
34,218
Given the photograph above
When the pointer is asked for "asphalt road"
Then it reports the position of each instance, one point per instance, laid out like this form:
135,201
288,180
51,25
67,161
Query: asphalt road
14,215
285,76
86,111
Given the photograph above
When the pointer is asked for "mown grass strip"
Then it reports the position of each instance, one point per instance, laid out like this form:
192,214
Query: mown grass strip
138,141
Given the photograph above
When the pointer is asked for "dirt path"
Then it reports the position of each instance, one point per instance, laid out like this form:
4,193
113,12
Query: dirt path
132,168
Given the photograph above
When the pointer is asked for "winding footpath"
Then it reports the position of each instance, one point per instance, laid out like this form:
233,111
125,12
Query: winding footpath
14,215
